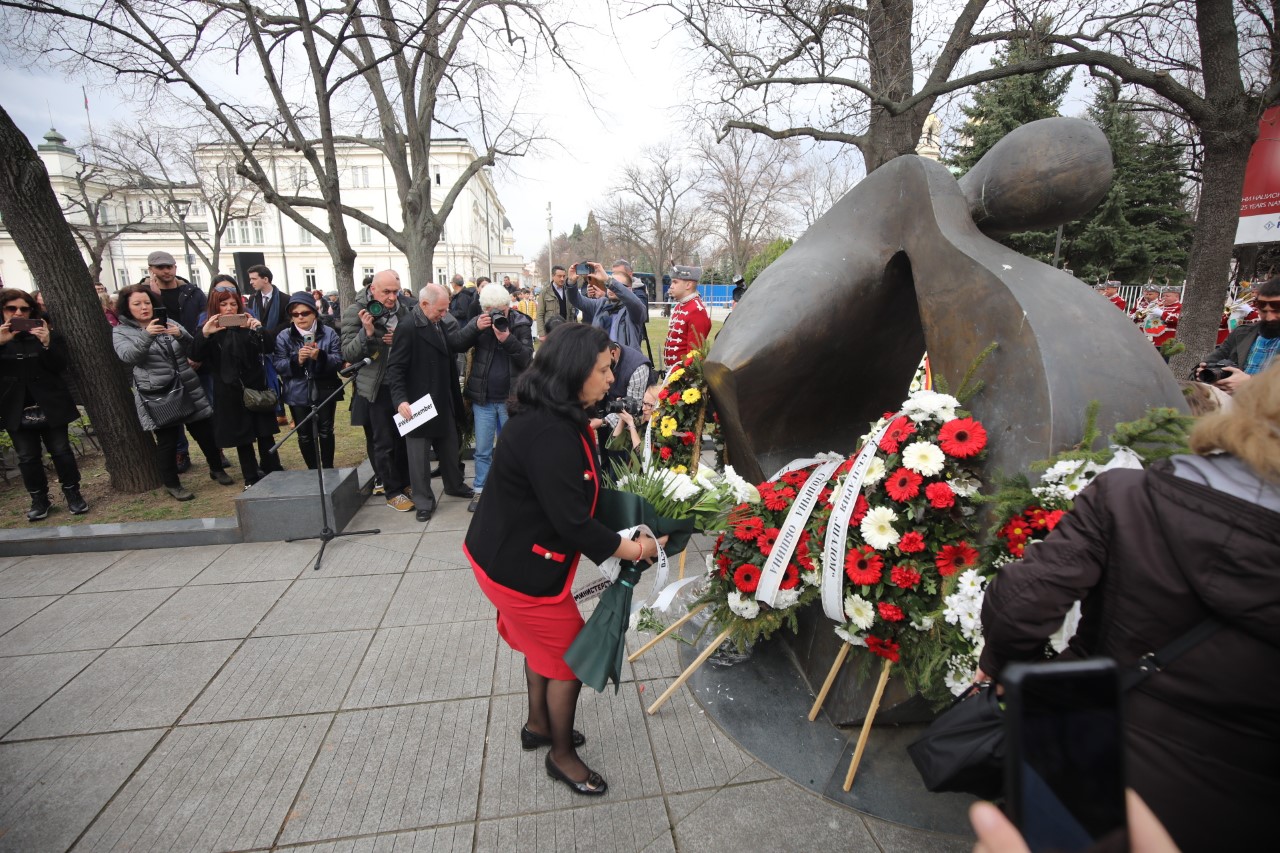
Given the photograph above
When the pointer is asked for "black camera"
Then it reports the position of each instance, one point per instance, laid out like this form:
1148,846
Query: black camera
500,321
583,268
375,308
1213,371
630,405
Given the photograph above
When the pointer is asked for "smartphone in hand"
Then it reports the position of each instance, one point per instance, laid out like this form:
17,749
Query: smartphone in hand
162,314
24,324
233,321
1064,771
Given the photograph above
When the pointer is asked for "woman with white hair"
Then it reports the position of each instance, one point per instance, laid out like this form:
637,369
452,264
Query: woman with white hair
502,340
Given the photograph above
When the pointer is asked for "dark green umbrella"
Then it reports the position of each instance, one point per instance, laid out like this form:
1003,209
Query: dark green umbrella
596,654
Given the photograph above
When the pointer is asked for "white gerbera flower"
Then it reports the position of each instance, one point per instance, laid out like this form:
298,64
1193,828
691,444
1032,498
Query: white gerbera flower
959,680
924,457
859,611
877,528
747,608
851,639
875,472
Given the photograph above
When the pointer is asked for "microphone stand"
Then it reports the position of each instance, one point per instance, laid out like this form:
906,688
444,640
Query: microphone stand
327,534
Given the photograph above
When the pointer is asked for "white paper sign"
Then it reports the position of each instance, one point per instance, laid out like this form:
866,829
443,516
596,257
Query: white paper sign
421,411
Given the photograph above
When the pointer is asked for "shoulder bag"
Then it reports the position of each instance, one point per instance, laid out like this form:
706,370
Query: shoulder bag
963,749
168,405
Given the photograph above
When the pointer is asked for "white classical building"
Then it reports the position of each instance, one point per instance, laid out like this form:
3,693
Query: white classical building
132,218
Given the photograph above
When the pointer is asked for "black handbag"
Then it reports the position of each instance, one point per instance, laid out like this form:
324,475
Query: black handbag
171,404
962,751
33,417
259,401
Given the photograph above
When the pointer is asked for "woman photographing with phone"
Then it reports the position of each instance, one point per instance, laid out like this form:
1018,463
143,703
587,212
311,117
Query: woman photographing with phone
533,525
307,351
35,404
168,393
233,343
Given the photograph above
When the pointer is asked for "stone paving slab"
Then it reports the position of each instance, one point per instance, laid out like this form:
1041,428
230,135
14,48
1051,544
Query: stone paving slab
226,786
154,568
280,676
15,611
383,554
51,789
328,604
433,564
132,688
213,612
395,768
404,665
432,597
445,546
895,836
29,681
93,620
606,827
260,561
53,575
448,839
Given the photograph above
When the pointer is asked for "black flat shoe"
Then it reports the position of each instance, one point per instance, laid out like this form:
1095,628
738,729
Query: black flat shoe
465,493
222,477
424,515
529,740
593,786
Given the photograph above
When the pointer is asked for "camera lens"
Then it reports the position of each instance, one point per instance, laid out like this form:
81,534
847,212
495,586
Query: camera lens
376,309
500,322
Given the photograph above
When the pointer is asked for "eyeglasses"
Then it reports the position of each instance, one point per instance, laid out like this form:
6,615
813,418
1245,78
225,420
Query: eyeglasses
225,288
1266,307
18,309
302,313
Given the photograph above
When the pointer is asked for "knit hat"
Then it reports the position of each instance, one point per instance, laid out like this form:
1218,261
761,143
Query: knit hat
302,297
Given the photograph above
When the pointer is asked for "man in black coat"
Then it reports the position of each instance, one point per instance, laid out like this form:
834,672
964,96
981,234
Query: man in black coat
421,363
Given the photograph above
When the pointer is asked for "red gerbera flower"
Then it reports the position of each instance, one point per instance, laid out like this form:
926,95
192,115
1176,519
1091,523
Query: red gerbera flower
962,438
1036,517
955,558
746,577
1051,521
904,577
903,485
863,566
899,431
940,495
787,491
824,496
723,563
687,438
1017,549
772,500
663,394
803,560
766,540
860,509
790,577
665,453
911,542
886,649
794,478
890,612
844,468
749,529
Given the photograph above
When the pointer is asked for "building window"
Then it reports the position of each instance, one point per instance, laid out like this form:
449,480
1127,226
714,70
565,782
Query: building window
309,276
366,233
104,214
365,272
259,236
304,236
440,277
231,234
195,277
364,175
122,277
243,227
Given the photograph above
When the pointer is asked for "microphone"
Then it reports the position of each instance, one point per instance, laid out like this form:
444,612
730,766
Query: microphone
354,367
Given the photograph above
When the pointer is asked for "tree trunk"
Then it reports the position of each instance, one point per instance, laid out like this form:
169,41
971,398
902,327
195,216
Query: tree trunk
344,263
41,233
419,251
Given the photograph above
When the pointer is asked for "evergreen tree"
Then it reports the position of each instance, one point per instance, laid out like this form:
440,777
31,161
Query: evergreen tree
770,253
1141,230
1001,106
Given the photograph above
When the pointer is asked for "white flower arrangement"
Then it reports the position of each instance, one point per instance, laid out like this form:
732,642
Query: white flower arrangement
930,405
744,606
963,607
924,457
859,611
877,528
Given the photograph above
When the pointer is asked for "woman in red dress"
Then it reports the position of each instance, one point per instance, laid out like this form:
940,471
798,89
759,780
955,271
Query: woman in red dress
533,524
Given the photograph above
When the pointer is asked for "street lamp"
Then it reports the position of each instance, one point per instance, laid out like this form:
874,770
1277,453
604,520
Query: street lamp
180,206
550,262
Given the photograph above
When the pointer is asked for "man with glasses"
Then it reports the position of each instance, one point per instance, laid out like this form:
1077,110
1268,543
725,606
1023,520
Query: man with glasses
1250,349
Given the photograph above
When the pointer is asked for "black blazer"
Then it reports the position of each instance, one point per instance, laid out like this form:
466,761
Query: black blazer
536,514
419,363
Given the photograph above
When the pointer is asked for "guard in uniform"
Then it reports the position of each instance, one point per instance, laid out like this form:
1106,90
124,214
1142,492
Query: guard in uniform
690,321
1111,290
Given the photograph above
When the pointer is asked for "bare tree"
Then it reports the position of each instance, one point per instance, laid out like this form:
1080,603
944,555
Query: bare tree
750,187
656,209
32,215
822,179
88,208
405,73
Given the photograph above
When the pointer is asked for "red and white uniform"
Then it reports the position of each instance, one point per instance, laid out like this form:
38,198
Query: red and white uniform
1169,315
690,325
1119,303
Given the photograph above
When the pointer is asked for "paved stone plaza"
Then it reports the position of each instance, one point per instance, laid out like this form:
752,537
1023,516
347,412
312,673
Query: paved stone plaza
229,698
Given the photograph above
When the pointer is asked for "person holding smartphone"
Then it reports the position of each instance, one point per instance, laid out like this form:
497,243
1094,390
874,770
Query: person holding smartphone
309,350
233,342
609,304
156,349
1153,554
35,402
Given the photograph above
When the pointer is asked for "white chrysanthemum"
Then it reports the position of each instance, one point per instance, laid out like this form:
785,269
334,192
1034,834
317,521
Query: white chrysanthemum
859,611
959,680
924,457
875,472
953,606
743,492
851,639
711,564
877,528
811,578
680,487
965,486
970,582
923,624
970,623
706,478
635,619
930,405
786,598
747,608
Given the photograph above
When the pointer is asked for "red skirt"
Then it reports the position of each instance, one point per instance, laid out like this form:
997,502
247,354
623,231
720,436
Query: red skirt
540,628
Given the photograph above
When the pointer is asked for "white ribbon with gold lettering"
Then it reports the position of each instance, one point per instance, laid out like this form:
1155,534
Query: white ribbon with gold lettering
789,536
838,527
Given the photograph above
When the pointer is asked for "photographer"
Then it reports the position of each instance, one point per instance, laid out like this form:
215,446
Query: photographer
633,374
1248,350
609,304
368,327
502,338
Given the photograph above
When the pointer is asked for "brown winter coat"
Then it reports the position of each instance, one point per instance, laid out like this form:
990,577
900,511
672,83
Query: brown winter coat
1152,555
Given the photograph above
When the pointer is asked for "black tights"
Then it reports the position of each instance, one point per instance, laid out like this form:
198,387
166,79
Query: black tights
552,707
249,465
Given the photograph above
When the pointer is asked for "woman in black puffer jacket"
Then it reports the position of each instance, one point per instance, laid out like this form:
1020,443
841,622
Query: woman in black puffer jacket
35,404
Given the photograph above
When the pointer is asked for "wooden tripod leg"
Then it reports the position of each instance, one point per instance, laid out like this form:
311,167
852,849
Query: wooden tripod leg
693,667
683,554
667,631
826,685
866,725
